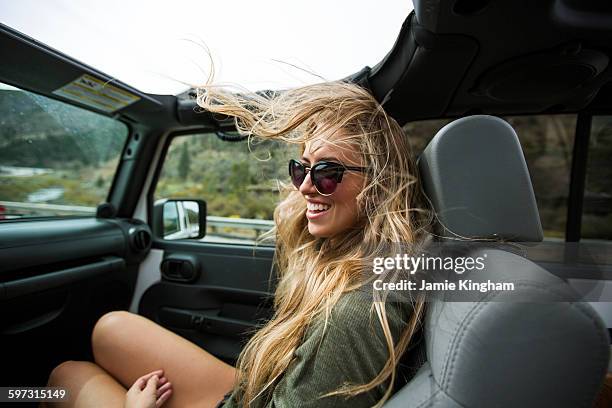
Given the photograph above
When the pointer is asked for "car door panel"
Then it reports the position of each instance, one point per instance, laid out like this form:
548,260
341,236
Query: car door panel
57,276
230,298
35,284
47,240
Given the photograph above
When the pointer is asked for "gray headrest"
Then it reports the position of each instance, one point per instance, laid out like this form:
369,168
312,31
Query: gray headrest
475,175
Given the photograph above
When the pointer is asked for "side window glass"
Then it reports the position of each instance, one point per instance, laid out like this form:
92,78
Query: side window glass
547,142
240,186
420,133
55,159
597,204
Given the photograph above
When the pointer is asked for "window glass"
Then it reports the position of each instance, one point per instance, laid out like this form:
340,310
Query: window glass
55,159
597,204
239,185
547,142
421,132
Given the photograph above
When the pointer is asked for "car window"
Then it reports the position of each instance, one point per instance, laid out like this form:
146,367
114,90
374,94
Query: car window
55,159
238,183
597,204
241,191
547,142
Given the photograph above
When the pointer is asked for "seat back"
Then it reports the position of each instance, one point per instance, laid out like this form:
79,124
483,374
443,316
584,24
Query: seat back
496,351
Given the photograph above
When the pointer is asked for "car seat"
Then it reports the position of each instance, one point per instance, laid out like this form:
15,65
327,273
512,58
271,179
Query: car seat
547,351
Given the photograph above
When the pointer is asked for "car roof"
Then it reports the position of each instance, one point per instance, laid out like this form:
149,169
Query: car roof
455,58
451,58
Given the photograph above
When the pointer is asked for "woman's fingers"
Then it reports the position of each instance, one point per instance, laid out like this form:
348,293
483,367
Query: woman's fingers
152,384
163,398
142,381
163,388
139,383
151,391
152,373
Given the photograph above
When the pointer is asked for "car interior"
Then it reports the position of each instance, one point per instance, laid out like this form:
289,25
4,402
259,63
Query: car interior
466,62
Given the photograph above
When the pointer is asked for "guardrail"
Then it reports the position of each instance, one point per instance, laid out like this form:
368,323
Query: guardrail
47,209
245,223
215,222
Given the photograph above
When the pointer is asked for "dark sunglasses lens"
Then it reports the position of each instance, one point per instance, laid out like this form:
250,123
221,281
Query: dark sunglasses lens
325,179
297,173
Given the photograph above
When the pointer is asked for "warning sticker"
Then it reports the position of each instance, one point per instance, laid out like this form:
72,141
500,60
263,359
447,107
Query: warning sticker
96,93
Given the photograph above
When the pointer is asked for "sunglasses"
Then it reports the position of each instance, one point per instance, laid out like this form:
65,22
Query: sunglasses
325,175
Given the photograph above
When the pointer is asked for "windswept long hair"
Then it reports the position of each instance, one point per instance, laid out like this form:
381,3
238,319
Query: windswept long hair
313,272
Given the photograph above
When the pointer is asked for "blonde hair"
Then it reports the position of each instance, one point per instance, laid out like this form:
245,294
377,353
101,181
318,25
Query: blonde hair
314,272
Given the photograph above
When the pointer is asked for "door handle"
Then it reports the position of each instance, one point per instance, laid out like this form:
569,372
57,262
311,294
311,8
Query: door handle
207,321
180,268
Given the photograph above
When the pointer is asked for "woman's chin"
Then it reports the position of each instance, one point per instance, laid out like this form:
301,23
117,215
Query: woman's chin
318,231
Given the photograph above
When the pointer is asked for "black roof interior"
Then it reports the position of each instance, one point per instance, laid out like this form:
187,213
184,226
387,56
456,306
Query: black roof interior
474,56
451,58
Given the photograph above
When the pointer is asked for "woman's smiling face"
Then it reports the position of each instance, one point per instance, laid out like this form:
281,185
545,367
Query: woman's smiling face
342,211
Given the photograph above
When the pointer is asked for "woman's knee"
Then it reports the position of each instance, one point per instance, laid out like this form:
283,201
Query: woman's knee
87,385
67,371
108,331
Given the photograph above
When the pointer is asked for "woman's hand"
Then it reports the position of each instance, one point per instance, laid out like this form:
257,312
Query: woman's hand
149,391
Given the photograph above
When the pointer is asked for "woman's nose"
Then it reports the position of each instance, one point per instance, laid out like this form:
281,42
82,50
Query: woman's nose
307,187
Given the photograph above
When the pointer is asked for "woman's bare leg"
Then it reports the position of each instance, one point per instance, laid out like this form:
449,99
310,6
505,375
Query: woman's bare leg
88,386
128,346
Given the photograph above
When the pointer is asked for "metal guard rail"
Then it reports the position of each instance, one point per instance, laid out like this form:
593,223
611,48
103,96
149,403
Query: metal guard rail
211,220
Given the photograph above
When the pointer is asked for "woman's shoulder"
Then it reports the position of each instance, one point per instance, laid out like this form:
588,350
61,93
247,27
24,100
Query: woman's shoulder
360,302
347,346
355,318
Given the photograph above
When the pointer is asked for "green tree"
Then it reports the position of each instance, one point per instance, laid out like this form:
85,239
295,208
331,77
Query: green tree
184,163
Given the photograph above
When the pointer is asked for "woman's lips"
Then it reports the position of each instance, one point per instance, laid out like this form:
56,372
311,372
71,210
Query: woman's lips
313,215
316,209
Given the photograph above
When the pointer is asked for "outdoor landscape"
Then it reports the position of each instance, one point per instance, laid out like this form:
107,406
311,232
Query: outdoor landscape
52,153
235,181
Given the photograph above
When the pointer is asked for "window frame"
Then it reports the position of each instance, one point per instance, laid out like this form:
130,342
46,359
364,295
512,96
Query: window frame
578,173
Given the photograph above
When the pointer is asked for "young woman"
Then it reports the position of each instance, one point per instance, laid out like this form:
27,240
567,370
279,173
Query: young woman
331,342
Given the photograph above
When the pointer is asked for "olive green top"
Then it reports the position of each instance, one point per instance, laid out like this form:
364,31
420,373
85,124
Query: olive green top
352,349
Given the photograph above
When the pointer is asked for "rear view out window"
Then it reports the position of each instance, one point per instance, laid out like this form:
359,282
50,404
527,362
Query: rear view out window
597,204
547,142
55,159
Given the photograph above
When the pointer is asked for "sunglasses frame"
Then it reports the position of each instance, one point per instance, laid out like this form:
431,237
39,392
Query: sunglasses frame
338,167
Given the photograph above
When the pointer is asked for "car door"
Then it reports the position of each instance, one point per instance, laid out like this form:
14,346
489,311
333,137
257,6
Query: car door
217,290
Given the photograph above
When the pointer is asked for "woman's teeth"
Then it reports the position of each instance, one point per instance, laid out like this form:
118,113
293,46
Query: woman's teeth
317,207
